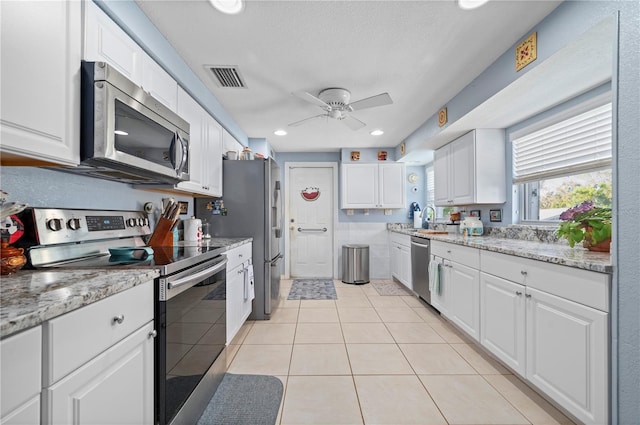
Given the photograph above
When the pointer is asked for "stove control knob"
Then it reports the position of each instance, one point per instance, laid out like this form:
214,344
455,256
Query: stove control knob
131,222
146,222
73,223
140,221
54,224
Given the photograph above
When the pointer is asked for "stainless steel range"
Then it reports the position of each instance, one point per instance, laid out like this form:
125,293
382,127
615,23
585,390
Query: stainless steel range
190,307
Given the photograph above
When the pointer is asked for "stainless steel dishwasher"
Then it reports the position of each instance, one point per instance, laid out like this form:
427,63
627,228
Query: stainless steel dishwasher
420,254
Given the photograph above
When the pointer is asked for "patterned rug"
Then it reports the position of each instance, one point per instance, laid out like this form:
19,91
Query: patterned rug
312,289
390,287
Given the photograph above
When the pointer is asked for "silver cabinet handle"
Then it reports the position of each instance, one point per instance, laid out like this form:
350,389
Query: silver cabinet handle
300,229
152,334
523,272
118,319
528,295
518,293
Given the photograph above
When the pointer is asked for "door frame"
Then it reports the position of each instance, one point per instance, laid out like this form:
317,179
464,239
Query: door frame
288,166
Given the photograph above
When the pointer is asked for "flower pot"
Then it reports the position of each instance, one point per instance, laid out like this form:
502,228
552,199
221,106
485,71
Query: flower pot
602,246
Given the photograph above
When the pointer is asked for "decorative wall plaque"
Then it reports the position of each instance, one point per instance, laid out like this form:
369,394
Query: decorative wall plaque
442,117
526,52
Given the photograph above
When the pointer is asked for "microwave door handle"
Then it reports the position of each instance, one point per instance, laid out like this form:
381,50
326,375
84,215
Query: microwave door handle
179,153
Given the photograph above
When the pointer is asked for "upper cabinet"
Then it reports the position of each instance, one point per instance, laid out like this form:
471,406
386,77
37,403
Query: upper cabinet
471,169
205,149
105,41
40,80
373,185
230,144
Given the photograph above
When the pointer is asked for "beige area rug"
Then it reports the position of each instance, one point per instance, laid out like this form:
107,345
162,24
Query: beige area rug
390,287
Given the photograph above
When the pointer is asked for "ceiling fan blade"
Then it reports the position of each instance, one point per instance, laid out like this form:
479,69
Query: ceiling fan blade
297,123
311,99
353,123
370,102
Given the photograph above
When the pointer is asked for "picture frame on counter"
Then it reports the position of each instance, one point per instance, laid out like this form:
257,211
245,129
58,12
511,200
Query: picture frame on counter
475,213
495,215
184,207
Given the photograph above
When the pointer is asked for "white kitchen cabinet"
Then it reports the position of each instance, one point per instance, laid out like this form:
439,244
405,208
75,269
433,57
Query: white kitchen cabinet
105,41
229,143
114,388
205,165
20,369
567,354
471,169
550,324
157,82
40,80
400,250
114,362
239,288
502,320
373,185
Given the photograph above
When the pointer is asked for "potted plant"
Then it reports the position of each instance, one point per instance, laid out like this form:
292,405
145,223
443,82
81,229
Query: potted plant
588,224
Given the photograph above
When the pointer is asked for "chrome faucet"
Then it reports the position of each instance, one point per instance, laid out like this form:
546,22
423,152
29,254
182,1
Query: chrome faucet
426,216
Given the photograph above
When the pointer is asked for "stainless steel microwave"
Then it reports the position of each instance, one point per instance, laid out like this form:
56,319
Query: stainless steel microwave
126,135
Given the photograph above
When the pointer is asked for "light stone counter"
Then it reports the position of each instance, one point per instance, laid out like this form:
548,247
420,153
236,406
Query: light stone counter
556,253
230,243
31,297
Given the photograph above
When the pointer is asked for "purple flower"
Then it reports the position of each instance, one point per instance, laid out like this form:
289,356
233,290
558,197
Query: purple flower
572,212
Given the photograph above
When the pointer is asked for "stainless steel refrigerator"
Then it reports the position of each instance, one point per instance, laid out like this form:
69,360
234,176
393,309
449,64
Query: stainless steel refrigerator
253,204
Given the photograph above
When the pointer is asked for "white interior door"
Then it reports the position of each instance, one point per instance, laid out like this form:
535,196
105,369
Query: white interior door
311,212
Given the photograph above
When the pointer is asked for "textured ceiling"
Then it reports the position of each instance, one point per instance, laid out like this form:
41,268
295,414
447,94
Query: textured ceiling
421,52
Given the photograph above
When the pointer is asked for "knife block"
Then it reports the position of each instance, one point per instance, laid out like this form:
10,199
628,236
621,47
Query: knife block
163,234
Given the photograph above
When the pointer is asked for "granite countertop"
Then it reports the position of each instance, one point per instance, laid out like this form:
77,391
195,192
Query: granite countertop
31,297
555,253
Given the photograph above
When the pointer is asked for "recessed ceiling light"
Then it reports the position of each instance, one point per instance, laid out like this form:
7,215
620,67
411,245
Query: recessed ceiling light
230,7
377,133
470,4
280,133
121,133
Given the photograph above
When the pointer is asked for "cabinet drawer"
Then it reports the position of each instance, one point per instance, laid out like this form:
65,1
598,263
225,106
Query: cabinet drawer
20,369
460,254
400,239
238,255
76,337
581,286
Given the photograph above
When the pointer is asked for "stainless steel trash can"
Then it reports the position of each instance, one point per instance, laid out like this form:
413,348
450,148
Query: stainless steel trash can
355,264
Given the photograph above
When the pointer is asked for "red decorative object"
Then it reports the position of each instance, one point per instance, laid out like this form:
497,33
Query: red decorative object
310,194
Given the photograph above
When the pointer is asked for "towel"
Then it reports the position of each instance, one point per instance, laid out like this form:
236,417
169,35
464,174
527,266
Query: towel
434,276
249,287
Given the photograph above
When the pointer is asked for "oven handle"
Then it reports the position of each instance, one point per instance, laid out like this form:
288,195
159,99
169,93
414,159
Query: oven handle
198,277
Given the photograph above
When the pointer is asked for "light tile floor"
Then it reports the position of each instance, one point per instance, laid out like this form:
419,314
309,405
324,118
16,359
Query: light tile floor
371,359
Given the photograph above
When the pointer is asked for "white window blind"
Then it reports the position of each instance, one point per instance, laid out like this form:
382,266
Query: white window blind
571,146
431,187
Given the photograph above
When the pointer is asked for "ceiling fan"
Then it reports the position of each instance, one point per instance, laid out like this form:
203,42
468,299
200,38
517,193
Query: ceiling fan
335,102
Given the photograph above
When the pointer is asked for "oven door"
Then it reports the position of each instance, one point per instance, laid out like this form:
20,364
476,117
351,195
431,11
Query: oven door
191,324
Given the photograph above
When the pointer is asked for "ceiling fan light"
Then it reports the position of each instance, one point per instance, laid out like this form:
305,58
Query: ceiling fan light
280,132
470,4
377,132
230,7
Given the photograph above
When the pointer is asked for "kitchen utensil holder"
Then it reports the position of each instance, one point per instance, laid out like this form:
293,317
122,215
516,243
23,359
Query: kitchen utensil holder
162,235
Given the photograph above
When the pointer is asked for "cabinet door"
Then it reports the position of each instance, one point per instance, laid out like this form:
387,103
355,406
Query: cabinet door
116,387
567,355
391,185
248,290
40,80
235,290
441,165
212,157
405,266
105,41
502,325
464,300
359,184
394,251
462,174
192,112
159,83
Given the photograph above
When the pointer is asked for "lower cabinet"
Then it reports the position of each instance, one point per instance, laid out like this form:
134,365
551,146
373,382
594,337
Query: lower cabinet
239,288
114,388
400,247
20,386
464,306
98,362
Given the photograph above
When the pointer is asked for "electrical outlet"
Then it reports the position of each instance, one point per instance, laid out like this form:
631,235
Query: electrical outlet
387,211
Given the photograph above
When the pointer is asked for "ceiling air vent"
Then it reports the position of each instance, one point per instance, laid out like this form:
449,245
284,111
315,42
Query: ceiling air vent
227,76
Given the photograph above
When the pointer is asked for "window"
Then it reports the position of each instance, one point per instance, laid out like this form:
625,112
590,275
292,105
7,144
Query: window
564,161
430,198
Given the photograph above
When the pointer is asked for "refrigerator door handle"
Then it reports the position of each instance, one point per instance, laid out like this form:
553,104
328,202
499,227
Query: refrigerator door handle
277,217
